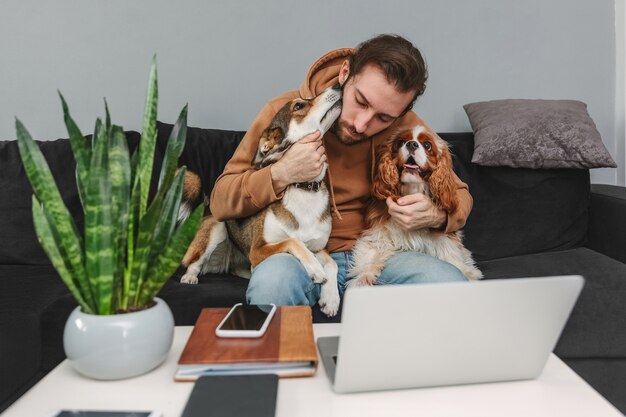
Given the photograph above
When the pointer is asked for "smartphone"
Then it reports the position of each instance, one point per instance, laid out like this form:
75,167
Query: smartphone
221,396
244,320
100,413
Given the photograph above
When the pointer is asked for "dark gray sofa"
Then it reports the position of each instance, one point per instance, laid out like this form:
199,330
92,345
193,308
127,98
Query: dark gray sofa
525,223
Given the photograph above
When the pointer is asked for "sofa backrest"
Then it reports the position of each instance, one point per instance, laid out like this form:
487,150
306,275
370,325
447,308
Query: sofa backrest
516,211
519,211
18,243
206,153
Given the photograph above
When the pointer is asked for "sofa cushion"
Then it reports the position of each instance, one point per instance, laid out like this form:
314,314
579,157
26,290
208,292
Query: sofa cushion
536,134
53,320
596,326
212,290
30,287
34,288
607,376
607,221
520,211
19,244
20,349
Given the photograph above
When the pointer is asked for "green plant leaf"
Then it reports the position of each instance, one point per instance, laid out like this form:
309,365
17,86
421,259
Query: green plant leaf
107,118
130,247
50,244
147,142
96,132
169,260
119,169
175,146
130,283
69,242
155,230
80,149
100,231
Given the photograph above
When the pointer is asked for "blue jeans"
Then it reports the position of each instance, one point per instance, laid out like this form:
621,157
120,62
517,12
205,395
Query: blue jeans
282,280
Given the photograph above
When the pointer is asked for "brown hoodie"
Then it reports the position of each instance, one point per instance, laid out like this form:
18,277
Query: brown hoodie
242,191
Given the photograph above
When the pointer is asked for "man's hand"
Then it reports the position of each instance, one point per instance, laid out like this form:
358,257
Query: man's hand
302,162
416,211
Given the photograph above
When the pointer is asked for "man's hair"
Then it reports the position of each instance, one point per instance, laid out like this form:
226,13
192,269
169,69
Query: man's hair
400,61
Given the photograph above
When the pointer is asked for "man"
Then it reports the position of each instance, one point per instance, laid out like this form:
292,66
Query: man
381,79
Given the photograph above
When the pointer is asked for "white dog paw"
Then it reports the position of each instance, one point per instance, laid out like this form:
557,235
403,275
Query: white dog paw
189,279
329,300
316,272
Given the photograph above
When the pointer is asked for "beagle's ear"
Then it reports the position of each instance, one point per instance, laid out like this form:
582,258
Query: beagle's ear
269,142
386,178
442,184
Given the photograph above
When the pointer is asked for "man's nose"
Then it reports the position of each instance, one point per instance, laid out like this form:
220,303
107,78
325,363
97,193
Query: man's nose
362,121
412,145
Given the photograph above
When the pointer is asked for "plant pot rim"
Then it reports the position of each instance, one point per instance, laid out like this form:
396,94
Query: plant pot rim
153,303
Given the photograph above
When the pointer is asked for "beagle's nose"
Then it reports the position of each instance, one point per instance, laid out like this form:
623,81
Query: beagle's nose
412,145
336,87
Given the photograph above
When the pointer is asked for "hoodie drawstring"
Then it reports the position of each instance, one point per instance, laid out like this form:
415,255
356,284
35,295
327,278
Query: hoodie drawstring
333,203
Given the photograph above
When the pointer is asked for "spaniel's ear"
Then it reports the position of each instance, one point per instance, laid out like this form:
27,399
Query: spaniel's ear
386,178
442,184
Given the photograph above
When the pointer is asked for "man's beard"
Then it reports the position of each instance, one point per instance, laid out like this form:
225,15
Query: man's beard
340,127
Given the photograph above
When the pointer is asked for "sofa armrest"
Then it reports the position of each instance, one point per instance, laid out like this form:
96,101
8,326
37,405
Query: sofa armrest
607,221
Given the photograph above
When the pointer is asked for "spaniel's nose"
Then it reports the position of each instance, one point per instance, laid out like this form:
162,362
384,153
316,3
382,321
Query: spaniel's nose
412,145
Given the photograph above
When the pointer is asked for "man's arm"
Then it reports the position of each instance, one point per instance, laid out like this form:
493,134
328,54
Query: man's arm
241,190
417,211
302,162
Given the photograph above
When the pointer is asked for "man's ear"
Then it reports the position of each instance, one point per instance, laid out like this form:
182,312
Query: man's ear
344,72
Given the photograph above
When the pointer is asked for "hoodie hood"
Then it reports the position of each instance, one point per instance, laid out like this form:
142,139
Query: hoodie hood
324,73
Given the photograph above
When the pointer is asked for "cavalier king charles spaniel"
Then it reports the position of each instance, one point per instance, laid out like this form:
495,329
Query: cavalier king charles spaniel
414,160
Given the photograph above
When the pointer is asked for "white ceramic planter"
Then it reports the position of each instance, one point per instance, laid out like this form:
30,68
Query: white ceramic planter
121,345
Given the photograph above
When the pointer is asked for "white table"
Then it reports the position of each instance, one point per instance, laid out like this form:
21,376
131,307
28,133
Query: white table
557,392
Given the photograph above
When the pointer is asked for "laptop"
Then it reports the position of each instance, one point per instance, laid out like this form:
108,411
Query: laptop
427,335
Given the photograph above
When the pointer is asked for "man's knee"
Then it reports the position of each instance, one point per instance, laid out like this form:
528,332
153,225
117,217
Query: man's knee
415,267
446,272
282,280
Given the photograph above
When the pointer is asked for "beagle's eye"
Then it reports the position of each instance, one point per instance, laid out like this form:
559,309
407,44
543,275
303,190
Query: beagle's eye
298,106
427,146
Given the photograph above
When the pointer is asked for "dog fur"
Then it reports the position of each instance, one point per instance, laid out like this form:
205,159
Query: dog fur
414,160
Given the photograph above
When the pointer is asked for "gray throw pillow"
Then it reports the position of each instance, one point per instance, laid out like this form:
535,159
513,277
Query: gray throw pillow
536,134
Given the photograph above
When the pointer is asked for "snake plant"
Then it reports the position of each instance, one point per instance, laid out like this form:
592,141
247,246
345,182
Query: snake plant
130,246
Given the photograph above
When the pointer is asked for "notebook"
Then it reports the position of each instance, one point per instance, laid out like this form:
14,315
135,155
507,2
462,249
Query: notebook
425,335
287,348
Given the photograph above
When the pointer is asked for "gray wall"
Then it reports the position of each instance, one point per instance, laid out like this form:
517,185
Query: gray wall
227,58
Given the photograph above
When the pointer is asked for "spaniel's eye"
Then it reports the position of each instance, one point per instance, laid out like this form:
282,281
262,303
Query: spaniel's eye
427,146
298,106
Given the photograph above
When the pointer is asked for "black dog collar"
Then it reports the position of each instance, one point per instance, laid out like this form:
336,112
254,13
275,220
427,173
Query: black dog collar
309,186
